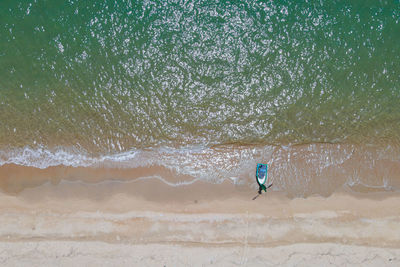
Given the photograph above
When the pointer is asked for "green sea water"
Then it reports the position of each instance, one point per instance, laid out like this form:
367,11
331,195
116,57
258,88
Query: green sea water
122,74
106,77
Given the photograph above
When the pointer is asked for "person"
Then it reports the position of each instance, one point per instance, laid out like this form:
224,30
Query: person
261,187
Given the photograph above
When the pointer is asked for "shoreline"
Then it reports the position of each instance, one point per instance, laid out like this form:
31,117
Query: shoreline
15,179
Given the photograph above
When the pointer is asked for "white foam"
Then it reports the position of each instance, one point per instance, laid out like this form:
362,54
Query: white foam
42,158
292,168
198,162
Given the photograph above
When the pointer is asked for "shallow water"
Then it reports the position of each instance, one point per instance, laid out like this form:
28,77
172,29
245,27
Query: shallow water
205,89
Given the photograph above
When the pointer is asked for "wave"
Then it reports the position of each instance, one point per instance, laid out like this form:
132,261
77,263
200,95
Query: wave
297,170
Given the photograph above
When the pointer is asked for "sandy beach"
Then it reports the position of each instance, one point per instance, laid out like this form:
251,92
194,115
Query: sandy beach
151,223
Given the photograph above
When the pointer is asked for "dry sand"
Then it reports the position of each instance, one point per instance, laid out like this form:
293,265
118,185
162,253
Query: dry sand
150,223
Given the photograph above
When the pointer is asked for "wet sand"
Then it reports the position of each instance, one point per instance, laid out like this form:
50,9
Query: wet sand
146,222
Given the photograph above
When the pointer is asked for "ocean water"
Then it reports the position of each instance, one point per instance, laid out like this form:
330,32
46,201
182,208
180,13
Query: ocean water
206,89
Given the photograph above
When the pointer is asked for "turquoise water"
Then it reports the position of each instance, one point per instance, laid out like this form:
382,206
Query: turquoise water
83,80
